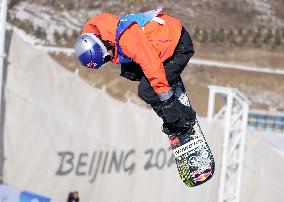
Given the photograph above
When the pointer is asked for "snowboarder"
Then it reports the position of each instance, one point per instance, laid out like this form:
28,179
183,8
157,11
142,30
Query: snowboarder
153,48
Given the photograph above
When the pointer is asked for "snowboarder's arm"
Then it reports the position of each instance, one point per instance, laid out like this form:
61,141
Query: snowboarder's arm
135,45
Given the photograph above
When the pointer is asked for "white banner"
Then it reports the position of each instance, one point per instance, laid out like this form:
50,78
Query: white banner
61,135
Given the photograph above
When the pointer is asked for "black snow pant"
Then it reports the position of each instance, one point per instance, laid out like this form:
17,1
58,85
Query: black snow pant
173,67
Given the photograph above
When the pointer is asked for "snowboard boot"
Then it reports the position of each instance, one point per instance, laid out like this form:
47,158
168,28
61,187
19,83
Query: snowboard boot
179,136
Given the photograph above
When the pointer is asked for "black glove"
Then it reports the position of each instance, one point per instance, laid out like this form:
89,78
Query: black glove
177,114
131,71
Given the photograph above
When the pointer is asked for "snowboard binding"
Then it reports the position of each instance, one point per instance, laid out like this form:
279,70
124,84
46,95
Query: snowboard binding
195,161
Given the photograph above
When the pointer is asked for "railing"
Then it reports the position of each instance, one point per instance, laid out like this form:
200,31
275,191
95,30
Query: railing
260,120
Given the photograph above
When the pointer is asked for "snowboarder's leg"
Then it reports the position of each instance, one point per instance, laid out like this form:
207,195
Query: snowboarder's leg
173,68
146,92
194,166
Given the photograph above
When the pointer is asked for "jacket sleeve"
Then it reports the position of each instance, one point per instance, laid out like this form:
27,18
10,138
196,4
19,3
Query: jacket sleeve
135,45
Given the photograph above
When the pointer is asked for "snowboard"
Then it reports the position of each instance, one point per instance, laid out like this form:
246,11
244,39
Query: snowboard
194,159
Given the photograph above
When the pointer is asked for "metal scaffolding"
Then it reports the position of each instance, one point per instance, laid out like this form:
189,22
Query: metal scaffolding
234,113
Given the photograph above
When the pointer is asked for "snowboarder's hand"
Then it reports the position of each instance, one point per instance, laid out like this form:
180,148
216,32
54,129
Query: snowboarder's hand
176,113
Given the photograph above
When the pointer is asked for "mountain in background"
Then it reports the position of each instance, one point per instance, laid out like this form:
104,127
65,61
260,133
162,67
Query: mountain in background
248,32
203,13
67,16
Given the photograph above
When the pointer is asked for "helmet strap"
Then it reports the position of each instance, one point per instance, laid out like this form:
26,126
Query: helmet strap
107,59
108,45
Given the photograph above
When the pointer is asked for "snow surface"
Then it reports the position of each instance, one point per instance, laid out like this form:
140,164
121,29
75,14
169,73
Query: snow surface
67,21
267,13
268,70
262,6
53,21
275,141
26,37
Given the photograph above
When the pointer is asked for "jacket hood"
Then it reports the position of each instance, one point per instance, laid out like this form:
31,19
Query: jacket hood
103,25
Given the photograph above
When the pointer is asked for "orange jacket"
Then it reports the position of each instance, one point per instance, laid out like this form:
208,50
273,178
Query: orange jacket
149,47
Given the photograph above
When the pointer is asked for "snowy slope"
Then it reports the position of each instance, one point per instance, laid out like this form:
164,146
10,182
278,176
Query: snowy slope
214,13
51,20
